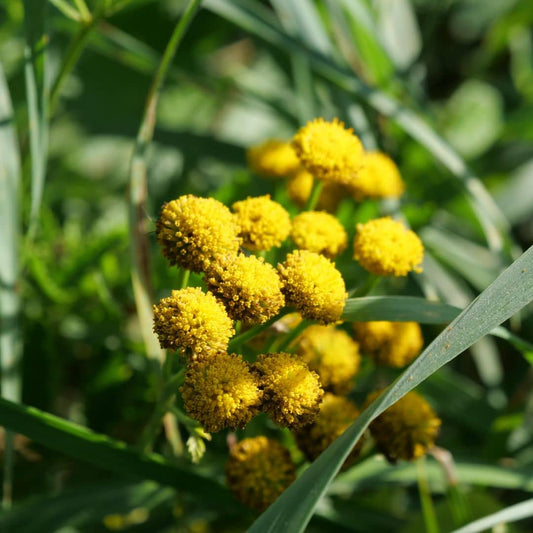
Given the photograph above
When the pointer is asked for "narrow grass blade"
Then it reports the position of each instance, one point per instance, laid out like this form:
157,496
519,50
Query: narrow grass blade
509,293
10,329
81,443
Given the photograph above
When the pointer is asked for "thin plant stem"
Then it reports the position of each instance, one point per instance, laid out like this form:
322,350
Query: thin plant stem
312,201
292,335
83,10
366,287
185,276
66,9
428,509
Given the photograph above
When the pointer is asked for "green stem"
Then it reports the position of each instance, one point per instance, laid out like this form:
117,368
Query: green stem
366,287
185,276
312,201
428,510
292,335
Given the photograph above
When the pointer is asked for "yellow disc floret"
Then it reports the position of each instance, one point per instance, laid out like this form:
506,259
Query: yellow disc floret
378,178
329,151
319,232
193,231
221,392
300,185
264,223
258,471
390,343
192,321
332,353
385,247
407,429
313,285
335,415
249,288
292,392
274,158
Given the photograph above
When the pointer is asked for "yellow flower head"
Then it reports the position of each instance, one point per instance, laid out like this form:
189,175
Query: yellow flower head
221,392
407,429
193,231
264,223
313,285
258,471
194,321
329,151
273,159
385,247
292,392
390,343
299,188
332,354
319,232
378,178
335,415
249,288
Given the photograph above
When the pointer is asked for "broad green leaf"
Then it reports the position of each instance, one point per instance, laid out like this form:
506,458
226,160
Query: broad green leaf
509,293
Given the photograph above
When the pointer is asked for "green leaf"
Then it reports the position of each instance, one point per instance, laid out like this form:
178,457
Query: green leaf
511,291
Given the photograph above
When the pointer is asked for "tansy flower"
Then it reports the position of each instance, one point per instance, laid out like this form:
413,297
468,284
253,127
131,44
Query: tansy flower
299,188
335,415
249,288
273,159
258,471
378,178
221,392
390,343
264,223
407,429
313,285
385,247
193,231
292,392
193,321
332,354
329,151
319,232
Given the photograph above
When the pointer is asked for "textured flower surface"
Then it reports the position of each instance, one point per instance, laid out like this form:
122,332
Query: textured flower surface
329,151
194,231
258,471
390,343
274,158
379,177
332,353
221,392
313,285
249,288
407,429
319,232
385,247
292,392
193,321
264,223
299,188
335,415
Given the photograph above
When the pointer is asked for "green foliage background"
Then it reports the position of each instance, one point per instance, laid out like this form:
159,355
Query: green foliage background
435,84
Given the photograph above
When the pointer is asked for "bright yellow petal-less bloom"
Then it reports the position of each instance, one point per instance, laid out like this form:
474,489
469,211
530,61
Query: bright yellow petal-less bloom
385,247
335,415
378,178
193,321
332,354
390,343
264,223
407,429
299,189
249,288
319,232
292,392
194,231
221,392
313,285
274,158
329,151
258,471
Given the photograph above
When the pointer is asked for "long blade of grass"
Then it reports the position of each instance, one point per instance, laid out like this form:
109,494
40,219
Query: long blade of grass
257,20
10,330
509,293
81,443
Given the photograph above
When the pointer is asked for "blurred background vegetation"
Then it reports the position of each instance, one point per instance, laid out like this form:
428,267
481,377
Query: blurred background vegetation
465,66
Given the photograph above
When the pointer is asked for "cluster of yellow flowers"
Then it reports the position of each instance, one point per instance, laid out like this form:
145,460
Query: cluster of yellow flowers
298,368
